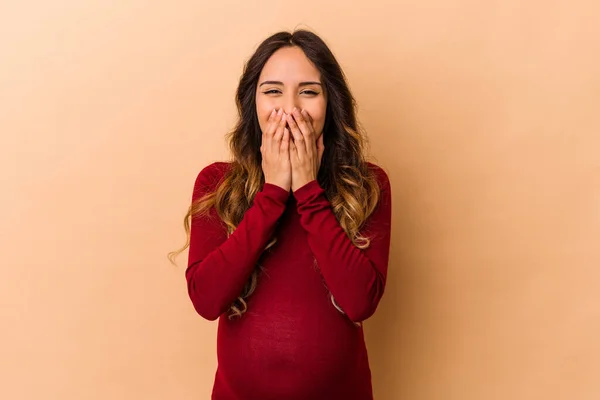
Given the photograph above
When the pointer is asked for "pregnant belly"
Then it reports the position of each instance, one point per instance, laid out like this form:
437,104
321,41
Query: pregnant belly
288,352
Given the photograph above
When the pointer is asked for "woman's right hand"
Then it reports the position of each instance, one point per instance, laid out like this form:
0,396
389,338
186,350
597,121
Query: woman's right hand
275,150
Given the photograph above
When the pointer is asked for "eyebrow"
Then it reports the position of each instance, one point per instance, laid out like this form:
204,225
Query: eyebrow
281,83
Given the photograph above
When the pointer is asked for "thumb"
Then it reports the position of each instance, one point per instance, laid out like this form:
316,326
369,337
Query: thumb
320,149
293,153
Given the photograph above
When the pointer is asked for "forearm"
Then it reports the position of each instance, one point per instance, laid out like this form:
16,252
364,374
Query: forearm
355,277
219,266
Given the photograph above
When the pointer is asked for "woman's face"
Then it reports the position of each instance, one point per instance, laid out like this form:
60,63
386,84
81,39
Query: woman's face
289,80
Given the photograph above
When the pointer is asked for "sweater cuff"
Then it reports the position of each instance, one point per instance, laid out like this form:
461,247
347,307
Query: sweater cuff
275,192
310,190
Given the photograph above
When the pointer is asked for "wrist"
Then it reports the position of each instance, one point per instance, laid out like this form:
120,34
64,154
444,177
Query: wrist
302,184
275,191
310,190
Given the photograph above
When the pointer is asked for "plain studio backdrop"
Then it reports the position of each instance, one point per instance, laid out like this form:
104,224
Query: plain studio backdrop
484,114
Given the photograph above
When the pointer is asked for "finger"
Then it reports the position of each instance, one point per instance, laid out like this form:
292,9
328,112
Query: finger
309,118
298,137
307,130
318,136
293,153
307,115
269,131
279,132
285,141
273,121
304,124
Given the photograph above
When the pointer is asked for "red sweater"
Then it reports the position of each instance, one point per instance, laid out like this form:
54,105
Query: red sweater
292,343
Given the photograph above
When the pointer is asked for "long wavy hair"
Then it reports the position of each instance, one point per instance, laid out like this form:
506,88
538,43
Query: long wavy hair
349,184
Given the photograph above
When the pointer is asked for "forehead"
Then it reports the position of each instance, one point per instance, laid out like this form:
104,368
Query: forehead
289,64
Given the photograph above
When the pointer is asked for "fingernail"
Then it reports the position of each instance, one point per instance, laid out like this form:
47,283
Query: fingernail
273,112
280,111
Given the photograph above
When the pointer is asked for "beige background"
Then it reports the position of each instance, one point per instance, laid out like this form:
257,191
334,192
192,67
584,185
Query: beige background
485,115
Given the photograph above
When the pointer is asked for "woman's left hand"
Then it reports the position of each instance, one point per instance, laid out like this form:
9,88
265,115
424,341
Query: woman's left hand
306,150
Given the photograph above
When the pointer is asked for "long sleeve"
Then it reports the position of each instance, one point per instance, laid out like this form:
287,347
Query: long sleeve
219,266
355,277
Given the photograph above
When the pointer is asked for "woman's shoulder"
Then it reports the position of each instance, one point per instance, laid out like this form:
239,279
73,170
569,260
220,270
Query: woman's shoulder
210,176
380,174
217,168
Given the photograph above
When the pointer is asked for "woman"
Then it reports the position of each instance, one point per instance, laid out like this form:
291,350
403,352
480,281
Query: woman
289,242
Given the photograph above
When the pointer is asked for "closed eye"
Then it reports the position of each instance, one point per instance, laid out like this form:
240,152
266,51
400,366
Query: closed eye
305,92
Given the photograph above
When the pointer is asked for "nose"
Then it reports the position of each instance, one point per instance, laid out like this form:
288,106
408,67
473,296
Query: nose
289,102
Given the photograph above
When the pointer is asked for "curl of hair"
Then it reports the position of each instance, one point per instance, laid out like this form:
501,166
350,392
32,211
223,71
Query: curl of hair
349,184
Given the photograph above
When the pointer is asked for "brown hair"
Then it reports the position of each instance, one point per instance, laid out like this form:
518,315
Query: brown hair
350,185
